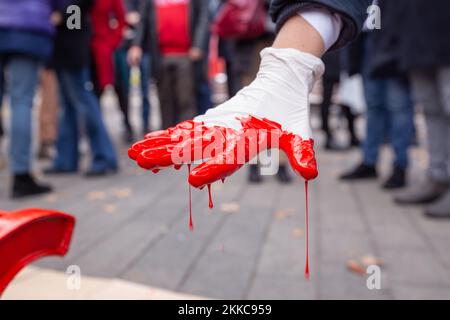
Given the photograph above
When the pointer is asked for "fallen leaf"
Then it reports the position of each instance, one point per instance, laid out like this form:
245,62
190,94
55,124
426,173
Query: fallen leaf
110,208
230,207
122,193
51,198
356,267
369,260
297,232
283,213
96,195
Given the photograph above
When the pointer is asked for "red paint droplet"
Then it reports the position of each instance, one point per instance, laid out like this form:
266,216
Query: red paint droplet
156,170
307,232
211,205
191,223
223,180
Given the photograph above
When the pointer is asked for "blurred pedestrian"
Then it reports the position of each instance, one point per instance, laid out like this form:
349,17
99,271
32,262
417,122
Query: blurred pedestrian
389,113
108,22
48,111
175,32
122,71
330,82
25,42
78,102
424,50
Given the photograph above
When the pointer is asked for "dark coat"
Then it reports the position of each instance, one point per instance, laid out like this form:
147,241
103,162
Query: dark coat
146,33
72,47
414,35
353,13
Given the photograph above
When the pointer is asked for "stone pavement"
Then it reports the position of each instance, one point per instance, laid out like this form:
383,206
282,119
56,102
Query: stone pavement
132,236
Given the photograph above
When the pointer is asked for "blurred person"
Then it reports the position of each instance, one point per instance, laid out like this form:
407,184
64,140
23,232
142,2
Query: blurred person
122,71
25,42
174,31
108,22
277,98
48,111
390,114
108,25
424,51
79,104
330,80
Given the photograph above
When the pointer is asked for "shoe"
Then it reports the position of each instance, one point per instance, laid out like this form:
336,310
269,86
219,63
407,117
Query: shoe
57,171
253,175
397,179
93,173
354,142
283,175
44,152
128,136
360,172
25,185
331,145
426,192
440,209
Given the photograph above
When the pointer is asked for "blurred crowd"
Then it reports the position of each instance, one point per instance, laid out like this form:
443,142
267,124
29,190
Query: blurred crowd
384,77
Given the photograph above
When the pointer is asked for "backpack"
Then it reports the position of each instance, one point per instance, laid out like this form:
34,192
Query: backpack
240,19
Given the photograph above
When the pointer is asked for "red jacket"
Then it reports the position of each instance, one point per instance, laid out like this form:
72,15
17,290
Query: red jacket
108,23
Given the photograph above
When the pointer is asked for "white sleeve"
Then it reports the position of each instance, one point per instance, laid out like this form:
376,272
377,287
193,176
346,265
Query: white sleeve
327,24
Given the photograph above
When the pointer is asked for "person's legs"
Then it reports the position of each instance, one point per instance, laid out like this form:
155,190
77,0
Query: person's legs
166,94
350,117
328,85
400,124
184,89
441,209
48,112
2,84
145,69
23,76
67,156
427,92
121,86
401,115
104,156
375,93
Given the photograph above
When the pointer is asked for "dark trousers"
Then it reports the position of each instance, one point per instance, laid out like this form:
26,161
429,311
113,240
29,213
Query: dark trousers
176,90
328,85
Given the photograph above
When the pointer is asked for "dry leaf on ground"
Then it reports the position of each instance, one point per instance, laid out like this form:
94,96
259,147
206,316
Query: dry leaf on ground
230,207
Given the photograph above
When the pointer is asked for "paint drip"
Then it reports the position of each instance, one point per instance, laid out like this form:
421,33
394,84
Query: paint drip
191,223
307,232
211,205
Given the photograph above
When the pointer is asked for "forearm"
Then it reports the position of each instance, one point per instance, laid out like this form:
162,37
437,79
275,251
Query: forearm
298,34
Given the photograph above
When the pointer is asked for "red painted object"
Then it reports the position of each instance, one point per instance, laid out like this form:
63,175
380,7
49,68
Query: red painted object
30,234
156,151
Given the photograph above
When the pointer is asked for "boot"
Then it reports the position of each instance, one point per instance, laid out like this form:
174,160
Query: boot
360,172
425,192
283,175
25,185
253,175
440,209
397,179
44,152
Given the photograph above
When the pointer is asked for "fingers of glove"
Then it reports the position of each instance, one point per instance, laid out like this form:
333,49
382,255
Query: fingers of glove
302,157
154,142
210,171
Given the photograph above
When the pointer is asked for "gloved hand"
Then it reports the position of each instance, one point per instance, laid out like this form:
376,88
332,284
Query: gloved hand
272,112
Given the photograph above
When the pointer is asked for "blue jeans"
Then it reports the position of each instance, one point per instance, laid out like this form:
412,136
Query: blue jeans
389,115
23,77
80,104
